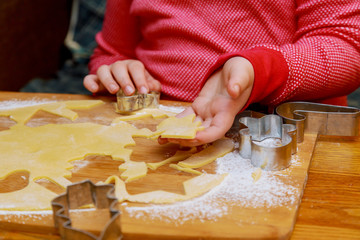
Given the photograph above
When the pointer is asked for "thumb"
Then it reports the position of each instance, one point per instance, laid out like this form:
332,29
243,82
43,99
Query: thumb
154,84
240,76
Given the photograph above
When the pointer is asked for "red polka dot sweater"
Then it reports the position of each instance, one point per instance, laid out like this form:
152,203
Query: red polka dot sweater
300,50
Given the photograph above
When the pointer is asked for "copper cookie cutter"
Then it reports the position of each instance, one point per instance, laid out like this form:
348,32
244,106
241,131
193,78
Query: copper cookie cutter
81,194
300,118
127,104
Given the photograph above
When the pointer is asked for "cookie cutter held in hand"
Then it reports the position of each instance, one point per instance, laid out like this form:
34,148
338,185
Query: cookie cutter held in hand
275,155
137,101
78,195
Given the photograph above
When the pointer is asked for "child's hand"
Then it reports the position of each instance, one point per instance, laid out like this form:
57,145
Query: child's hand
127,74
222,97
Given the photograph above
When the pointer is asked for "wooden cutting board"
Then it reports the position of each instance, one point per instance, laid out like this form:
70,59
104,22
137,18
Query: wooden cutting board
218,217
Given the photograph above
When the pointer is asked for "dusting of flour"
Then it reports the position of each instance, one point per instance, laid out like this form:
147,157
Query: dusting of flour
11,104
173,109
238,189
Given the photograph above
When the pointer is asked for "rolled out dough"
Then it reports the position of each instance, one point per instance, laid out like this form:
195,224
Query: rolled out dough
46,152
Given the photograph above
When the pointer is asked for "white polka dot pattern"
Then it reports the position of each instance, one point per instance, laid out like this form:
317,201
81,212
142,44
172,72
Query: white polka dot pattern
180,41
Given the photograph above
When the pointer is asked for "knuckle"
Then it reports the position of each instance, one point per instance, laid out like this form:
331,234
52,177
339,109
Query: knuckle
136,64
107,80
121,80
117,64
102,68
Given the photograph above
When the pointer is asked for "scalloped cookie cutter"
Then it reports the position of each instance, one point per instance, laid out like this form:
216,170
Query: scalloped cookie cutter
274,155
127,104
81,194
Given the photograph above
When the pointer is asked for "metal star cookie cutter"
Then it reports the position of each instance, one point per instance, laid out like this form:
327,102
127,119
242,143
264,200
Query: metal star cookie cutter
127,104
268,155
320,119
81,194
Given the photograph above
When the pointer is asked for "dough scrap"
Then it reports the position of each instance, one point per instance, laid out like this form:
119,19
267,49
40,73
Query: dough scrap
193,188
184,169
178,156
133,170
218,149
256,174
184,128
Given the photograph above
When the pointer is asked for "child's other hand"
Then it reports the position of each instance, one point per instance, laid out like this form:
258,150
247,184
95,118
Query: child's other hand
222,97
126,74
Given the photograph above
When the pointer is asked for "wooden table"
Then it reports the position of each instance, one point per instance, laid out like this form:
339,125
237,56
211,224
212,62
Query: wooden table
330,207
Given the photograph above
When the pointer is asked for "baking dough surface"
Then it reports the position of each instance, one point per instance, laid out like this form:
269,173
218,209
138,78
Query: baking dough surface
46,152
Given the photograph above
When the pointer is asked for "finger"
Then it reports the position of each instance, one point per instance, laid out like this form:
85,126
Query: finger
107,79
198,119
240,76
202,107
206,123
234,83
201,138
91,83
121,74
154,85
137,73
219,125
210,134
186,112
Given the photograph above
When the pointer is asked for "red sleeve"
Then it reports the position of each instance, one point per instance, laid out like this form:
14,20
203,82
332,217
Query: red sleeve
323,61
118,37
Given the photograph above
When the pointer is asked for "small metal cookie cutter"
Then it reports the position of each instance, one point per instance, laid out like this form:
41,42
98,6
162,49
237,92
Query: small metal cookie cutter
137,101
78,195
320,118
274,155
301,118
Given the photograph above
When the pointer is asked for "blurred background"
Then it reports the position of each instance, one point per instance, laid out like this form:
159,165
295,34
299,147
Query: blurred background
46,45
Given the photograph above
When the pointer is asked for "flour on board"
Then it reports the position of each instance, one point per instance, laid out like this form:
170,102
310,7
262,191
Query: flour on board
11,104
238,189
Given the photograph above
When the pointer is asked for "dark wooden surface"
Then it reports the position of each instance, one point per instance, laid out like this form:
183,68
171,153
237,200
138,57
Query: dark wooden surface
32,34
